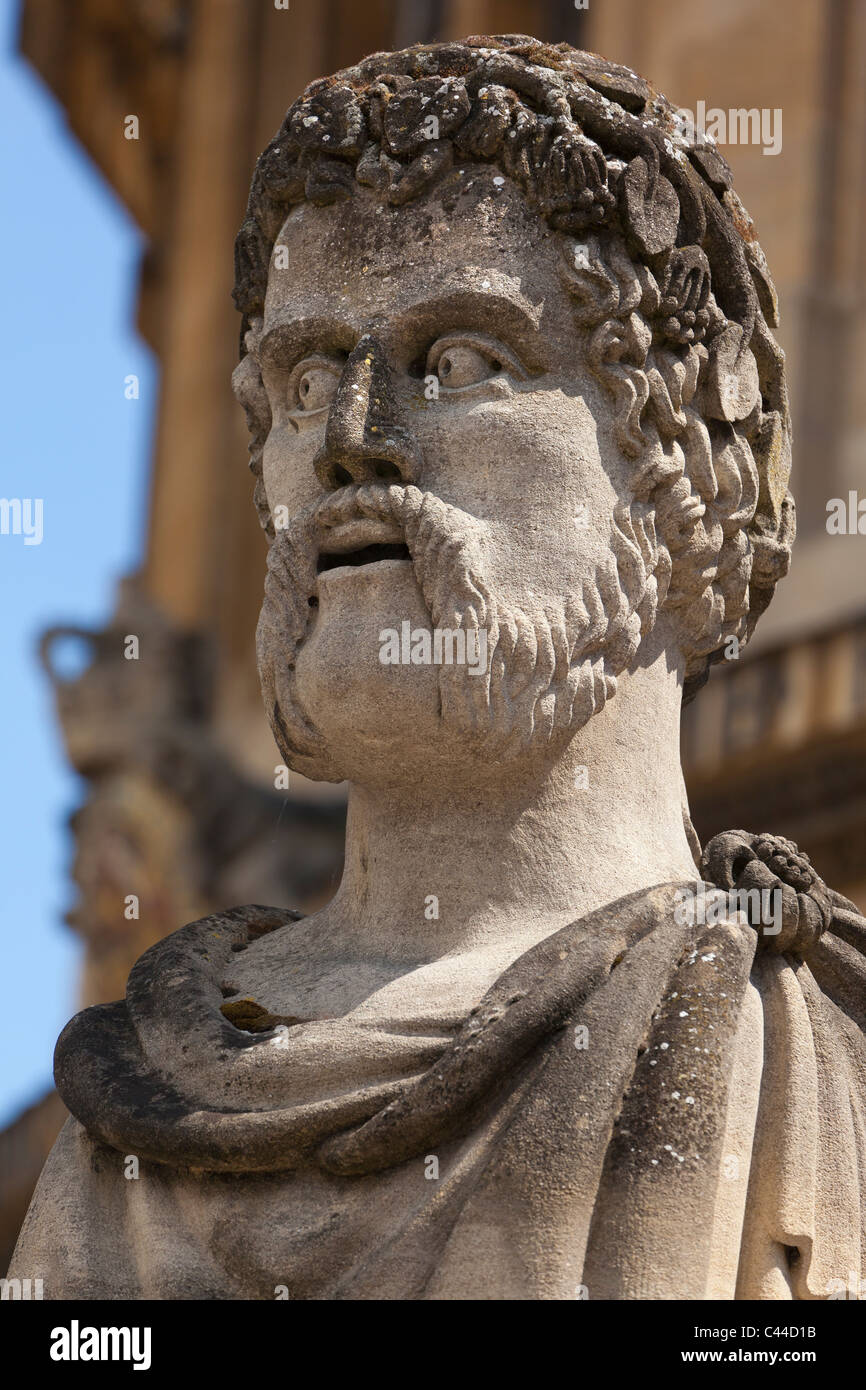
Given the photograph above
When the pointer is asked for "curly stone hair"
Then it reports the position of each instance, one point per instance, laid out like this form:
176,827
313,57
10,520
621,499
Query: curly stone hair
669,282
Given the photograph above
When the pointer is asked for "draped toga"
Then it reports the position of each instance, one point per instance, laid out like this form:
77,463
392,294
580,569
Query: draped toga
639,1108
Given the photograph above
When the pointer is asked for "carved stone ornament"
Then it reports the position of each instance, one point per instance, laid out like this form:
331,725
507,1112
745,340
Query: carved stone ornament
521,443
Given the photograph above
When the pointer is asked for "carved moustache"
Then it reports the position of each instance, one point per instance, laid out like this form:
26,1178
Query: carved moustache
359,524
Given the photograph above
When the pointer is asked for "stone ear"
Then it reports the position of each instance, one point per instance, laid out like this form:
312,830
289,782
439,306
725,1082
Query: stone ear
249,390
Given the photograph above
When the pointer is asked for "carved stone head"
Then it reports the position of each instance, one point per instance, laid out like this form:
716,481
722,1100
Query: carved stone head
508,366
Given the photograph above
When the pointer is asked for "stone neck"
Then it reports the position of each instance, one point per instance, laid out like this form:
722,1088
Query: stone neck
516,854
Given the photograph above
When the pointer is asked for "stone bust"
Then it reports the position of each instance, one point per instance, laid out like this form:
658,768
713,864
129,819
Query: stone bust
521,442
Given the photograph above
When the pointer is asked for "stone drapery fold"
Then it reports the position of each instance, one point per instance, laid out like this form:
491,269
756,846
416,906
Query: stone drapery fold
637,1108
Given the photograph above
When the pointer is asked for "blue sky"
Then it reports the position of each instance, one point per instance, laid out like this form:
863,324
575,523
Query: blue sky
69,254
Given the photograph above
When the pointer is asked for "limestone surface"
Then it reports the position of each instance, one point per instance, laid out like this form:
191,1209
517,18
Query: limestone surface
521,441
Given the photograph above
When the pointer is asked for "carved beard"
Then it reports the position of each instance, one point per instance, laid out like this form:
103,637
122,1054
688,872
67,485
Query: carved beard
551,666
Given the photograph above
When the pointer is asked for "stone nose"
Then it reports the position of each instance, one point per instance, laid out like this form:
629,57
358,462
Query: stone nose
365,440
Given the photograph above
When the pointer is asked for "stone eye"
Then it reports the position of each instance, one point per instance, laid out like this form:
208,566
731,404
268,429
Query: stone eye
316,388
469,360
313,385
463,366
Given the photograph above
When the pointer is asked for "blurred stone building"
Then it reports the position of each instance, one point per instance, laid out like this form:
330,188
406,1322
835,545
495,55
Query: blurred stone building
181,767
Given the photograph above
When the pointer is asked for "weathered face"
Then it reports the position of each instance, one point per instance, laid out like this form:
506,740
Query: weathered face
435,346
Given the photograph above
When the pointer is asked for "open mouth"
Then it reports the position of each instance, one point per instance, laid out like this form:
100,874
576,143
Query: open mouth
367,555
